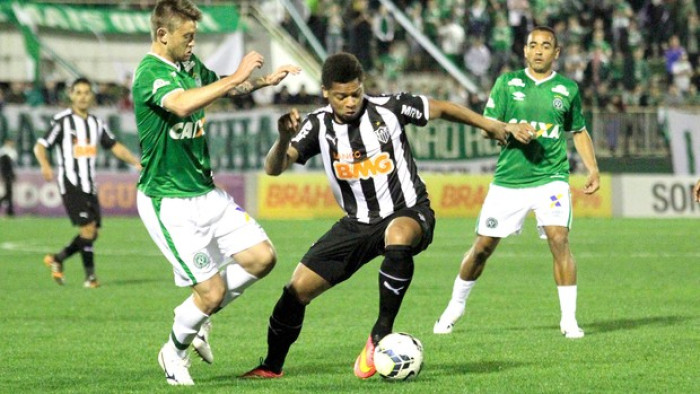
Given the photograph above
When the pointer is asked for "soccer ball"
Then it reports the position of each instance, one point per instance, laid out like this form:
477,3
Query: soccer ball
398,356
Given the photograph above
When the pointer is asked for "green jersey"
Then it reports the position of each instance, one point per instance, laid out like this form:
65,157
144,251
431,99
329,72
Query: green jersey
175,156
552,106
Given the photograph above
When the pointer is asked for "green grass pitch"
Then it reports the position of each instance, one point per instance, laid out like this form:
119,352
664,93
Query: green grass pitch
639,303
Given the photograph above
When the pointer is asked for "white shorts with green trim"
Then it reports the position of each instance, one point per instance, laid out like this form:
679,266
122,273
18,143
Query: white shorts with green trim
198,235
505,209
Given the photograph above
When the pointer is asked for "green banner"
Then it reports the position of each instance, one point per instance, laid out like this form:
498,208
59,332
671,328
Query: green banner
215,19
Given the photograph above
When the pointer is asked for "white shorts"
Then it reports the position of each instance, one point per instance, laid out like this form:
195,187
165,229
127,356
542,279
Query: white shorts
198,235
505,209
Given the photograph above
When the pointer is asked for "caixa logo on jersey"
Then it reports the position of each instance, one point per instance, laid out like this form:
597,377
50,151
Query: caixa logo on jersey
377,165
185,130
544,130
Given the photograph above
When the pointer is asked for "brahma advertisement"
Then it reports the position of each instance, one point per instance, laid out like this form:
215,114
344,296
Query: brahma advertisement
300,196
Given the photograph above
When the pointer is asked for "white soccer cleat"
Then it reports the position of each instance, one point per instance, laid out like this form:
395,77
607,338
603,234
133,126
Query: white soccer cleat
200,343
447,320
571,331
176,369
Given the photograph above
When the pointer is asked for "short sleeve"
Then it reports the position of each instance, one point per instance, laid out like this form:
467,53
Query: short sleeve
575,120
306,141
496,105
408,108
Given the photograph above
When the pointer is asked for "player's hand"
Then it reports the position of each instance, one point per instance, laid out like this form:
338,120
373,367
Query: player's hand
249,63
592,183
288,124
696,191
522,132
281,73
47,173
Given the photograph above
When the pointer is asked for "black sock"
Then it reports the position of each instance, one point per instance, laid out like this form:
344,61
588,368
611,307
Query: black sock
395,276
69,250
88,256
283,331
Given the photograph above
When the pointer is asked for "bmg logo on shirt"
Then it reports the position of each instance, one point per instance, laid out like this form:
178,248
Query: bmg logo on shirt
380,164
84,151
185,130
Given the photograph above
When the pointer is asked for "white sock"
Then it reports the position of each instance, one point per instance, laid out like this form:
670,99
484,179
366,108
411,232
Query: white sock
237,280
567,302
461,290
188,319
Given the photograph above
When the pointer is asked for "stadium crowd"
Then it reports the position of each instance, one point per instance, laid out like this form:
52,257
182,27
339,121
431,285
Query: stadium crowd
623,53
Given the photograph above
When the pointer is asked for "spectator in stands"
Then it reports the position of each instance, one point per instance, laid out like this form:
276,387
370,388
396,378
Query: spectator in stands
360,35
16,94
283,97
384,30
478,19
334,30
655,17
501,43
574,62
477,60
672,54
682,71
50,93
452,38
691,40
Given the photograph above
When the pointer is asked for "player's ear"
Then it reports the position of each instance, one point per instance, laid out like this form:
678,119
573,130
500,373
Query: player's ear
162,35
324,92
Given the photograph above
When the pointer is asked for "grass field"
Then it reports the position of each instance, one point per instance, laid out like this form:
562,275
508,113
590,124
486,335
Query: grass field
639,302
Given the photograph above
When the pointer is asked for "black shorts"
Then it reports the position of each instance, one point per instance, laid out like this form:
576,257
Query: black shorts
83,208
349,245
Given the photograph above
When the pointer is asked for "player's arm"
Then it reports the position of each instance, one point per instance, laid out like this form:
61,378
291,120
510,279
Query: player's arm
43,158
492,129
184,102
282,154
272,79
584,147
122,153
696,191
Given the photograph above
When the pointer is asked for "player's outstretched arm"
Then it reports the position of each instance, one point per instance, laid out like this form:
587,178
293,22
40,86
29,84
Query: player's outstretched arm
492,129
122,153
696,191
43,159
272,79
584,147
185,102
282,155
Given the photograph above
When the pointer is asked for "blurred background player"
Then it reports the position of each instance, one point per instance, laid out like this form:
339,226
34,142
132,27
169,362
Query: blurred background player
369,164
8,157
198,227
532,177
74,136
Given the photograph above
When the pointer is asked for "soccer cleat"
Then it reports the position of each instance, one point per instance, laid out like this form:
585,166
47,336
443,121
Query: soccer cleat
571,331
200,343
91,282
448,319
56,268
443,327
261,372
364,364
176,369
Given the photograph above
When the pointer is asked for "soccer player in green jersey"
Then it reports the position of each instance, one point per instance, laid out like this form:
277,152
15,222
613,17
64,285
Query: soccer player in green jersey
214,246
532,176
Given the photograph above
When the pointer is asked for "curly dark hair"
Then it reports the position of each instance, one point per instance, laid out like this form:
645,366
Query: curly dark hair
341,67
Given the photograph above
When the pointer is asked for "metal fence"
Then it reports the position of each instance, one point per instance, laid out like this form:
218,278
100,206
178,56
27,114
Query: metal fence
636,132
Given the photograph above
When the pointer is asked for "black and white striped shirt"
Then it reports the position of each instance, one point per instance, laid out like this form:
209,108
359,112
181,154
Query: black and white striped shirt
368,162
75,141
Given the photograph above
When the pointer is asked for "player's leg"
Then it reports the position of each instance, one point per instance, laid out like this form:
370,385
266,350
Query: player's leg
238,236
332,259
287,319
554,217
565,277
472,266
76,206
176,227
87,236
502,214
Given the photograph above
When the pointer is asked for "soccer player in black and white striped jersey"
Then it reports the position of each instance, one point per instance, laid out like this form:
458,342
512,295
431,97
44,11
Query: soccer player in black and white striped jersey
373,175
74,136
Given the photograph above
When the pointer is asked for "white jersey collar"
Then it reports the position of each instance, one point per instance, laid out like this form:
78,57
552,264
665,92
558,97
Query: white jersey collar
166,61
539,81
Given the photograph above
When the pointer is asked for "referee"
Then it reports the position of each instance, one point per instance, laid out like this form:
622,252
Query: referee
74,136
